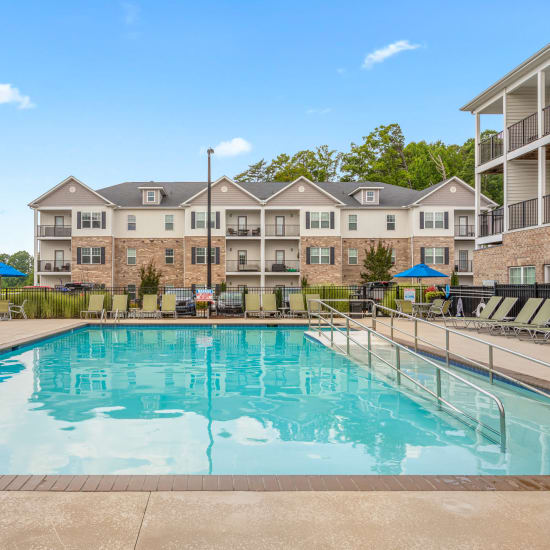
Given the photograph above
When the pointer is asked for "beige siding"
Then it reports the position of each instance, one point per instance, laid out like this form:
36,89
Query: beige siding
522,180
445,197
232,196
79,197
520,104
310,196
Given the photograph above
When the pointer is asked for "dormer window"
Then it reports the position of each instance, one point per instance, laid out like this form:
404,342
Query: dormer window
370,196
151,196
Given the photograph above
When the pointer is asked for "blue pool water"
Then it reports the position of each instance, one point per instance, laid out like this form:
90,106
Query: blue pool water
242,400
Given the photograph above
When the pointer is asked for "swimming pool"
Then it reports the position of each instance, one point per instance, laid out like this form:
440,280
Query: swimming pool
241,400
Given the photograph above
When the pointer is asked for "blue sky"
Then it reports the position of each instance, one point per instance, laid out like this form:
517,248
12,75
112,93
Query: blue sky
112,91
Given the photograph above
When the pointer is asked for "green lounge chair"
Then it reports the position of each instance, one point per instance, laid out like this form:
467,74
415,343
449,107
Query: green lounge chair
269,305
168,306
501,314
119,308
95,307
5,312
404,306
486,313
538,325
150,306
252,305
522,318
313,307
439,308
296,303
18,309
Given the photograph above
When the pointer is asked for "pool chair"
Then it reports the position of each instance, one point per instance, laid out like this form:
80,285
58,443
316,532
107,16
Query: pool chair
522,318
95,307
269,305
404,306
18,309
537,329
313,307
296,303
119,308
501,314
439,308
5,313
150,306
168,306
252,305
486,313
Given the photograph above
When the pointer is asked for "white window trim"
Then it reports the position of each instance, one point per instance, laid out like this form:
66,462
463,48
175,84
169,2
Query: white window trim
203,254
91,218
356,256
128,222
166,222
171,256
319,254
90,252
522,269
350,223
434,255
147,197
370,192
392,221
128,256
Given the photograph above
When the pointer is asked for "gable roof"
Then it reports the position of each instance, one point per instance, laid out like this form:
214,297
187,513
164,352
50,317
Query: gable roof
433,188
61,184
223,178
304,179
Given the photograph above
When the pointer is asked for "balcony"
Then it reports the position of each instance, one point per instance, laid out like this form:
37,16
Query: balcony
464,266
546,120
282,230
491,223
54,231
288,266
54,266
522,214
465,231
239,231
491,148
240,266
523,132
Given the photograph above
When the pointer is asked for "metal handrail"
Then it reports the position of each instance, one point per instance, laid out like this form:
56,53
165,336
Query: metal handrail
397,367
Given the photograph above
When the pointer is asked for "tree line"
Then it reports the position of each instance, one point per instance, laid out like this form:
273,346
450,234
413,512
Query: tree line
383,156
23,262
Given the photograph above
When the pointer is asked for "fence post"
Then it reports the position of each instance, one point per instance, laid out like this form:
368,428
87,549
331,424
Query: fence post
536,289
391,326
398,364
447,346
374,316
415,334
331,328
347,336
369,346
491,364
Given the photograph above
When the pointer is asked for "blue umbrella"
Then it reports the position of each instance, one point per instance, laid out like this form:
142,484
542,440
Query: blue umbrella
9,271
421,271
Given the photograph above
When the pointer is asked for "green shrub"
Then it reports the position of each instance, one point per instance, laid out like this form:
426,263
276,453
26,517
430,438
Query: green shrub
434,295
328,292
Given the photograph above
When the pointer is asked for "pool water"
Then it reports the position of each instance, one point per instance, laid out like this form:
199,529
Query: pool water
242,400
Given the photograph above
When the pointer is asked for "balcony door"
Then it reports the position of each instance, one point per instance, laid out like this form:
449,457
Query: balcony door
242,225
463,261
59,260
59,223
279,256
242,255
463,226
280,226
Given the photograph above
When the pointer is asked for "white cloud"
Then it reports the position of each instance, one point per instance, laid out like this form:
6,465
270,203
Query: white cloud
9,94
232,148
323,111
387,51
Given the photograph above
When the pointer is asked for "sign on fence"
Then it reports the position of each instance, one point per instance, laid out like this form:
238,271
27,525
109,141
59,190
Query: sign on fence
409,294
204,295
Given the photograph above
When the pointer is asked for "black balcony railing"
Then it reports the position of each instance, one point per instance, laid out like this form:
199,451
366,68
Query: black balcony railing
491,223
282,230
54,266
243,231
464,266
465,231
491,148
523,214
286,266
53,231
523,132
546,120
546,209
245,266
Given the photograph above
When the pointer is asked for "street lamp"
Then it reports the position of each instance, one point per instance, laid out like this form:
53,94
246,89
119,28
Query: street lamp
208,224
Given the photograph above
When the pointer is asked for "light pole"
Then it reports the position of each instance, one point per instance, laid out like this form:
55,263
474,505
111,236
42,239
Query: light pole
208,224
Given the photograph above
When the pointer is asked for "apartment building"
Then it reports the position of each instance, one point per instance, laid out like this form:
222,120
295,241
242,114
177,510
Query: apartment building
513,241
263,234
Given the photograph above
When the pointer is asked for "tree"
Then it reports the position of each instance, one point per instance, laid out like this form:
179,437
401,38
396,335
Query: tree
22,261
377,263
150,279
254,173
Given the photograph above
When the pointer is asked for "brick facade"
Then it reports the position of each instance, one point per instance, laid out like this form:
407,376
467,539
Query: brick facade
92,273
519,248
321,273
436,242
196,273
147,250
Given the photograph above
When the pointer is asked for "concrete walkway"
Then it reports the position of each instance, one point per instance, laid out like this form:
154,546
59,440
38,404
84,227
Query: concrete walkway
377,520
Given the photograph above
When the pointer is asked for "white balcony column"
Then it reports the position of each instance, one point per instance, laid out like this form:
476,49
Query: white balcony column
541,188
505,164
35,247
262,247
541,100
477,203
477,139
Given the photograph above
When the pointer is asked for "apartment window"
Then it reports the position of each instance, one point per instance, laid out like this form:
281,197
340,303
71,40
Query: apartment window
91,255
522,275
151,196
169,222
200,255
352,222
131,222
200,220
131,256
91,220
434,220
319,255
390,222
169,255
131,289
320,220
369,196
352,256
393,256
434,255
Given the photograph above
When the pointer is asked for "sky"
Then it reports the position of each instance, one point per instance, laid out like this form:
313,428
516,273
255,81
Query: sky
113,91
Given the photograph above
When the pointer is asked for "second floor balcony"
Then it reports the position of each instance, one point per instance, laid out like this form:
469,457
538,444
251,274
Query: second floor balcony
282,230
523,132
240,230
243,265
465,231
54,266
491,148
523,214
282,266
491,223
54,231
464,266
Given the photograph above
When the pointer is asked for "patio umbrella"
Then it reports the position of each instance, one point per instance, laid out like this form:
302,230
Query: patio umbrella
420,271
9,271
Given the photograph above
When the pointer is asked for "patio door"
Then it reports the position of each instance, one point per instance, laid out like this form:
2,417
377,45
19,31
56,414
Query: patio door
242,224
242,255
463,261
59,260
280,226
59,224
279,256
463,226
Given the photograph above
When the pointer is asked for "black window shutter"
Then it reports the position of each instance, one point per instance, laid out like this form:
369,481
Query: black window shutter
102,254
446,255
307,221
422,255
79,220
193,221
446,216
218,254
193,254
308,254
331,255
332,220
79,253
421,220
103,220
217,220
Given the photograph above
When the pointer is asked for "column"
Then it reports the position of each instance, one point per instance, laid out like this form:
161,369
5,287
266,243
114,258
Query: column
505,165
477,181
35,247
262,247
541,100
541,189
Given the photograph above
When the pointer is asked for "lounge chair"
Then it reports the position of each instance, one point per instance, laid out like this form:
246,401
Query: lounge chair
296,303
252,305
486,313
95,307
313,307
404,306
168,306
439,308
18,309
538,325
269,305
501,314
5,312
119,307
150,306
522,318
